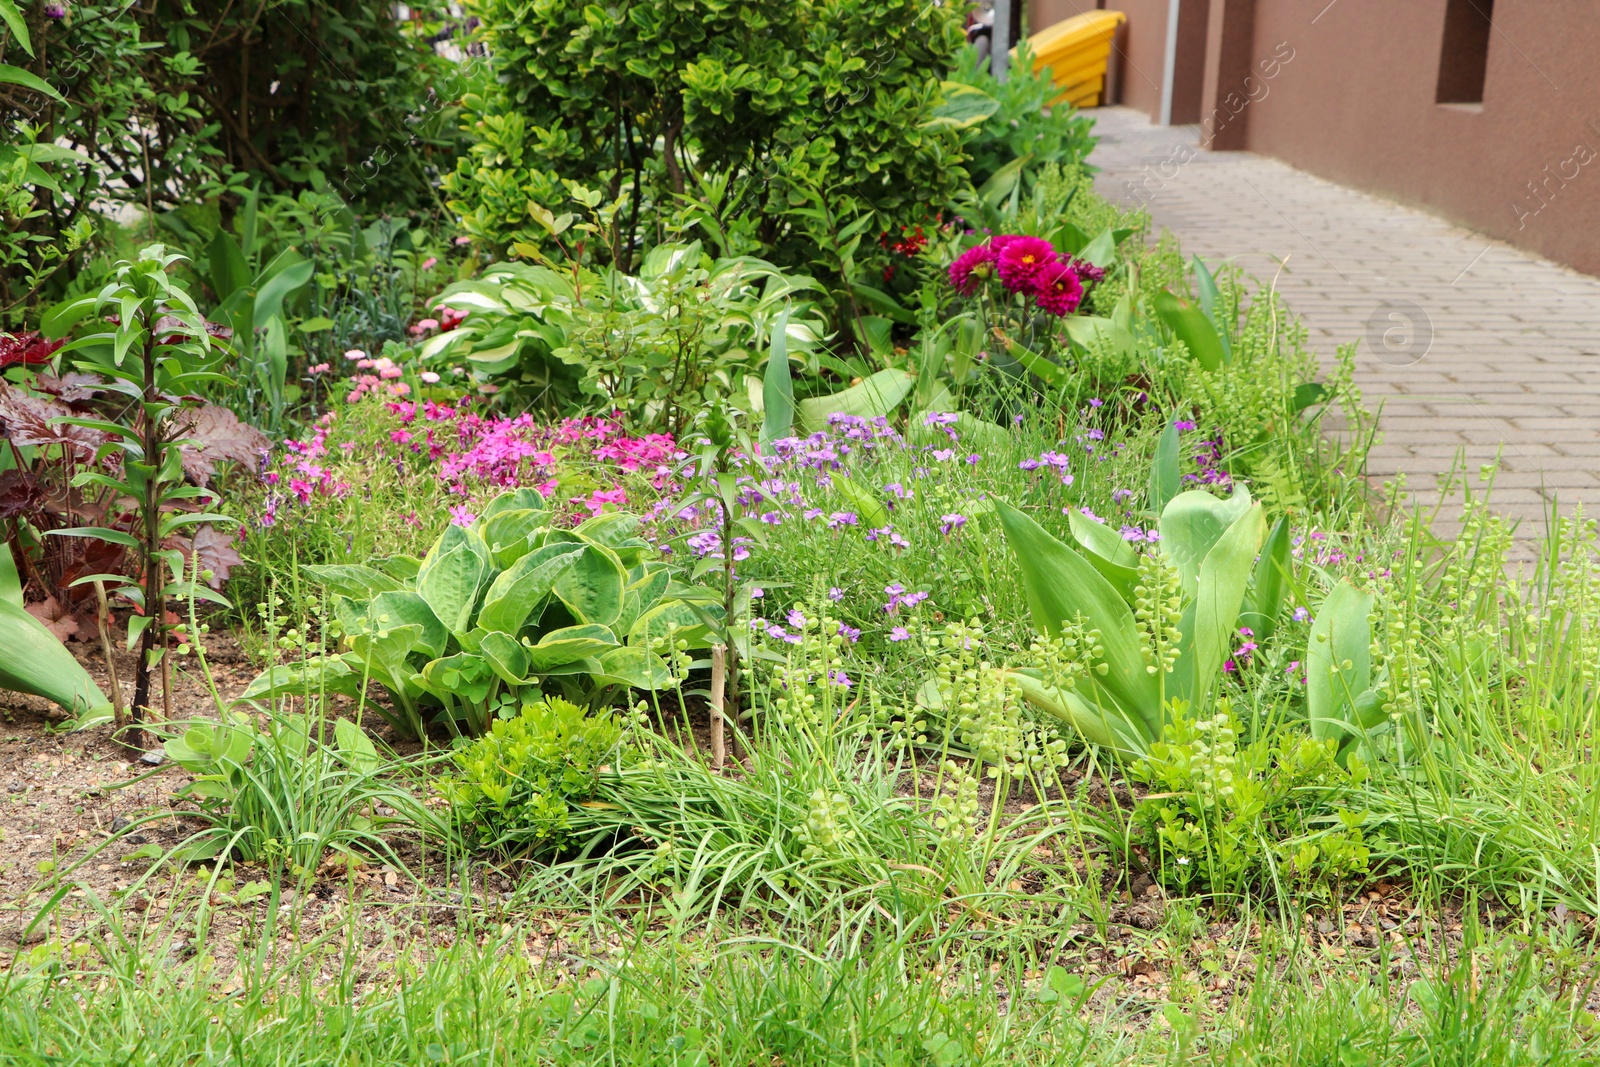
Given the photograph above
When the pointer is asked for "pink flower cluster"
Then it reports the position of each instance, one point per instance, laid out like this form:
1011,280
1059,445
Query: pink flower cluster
476,455
1029,266
385,380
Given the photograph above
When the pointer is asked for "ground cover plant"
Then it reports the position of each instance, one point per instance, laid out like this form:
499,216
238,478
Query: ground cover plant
751,581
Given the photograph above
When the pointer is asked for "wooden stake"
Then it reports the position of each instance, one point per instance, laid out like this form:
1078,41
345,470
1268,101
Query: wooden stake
719,687
103,618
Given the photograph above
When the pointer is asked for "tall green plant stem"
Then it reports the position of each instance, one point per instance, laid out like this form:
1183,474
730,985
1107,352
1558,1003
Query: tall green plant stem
154,601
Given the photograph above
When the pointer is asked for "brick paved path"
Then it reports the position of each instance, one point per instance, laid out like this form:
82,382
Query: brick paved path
1514,361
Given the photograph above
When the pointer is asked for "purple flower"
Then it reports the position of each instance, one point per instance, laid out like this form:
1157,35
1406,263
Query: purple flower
894,589
460,516
1301,614
796,619
55,11
944,455
1095,402
835,594
849,633
812,513
842,518
840,679
951,522
1121,496
1183,424
975,459
911,600
899,633
898,542
757,593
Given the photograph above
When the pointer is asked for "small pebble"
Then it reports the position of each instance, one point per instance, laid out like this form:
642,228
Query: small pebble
153,758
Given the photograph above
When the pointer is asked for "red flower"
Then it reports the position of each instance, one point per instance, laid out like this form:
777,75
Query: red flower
29,349
972,268
1058,290
1023,261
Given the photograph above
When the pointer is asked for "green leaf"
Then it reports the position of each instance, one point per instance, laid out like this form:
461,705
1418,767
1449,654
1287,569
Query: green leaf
1107,552
592,587
505,656
1340,634
1211,304
18,76
961,106
16,24
1224,576
1060,584
356,747
320,674
873,512
402,607
634,667
1165,477
1035,363
452,575
1101,251
568,645
289,273
777,390
34,662
229,271
1306,394
511,535
353,580
878,395
1270,586
1190,325
1192,523
10,580
517,593
884,304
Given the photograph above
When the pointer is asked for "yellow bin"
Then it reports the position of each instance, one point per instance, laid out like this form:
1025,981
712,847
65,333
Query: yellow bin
1076,51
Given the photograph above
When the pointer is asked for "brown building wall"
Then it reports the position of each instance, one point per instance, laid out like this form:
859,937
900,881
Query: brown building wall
1356,104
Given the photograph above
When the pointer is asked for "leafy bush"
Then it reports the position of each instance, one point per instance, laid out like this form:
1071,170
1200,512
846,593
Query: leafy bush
164,104
656,346
514,787
499,607
746,111
1023,121
1230,814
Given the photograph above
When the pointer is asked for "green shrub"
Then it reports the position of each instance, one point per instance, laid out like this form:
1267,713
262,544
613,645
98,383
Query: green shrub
515,785
1229,814
1024,123
746,109
657,346
163,104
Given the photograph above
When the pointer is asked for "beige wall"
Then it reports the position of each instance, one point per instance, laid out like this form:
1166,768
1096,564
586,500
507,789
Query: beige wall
1356,105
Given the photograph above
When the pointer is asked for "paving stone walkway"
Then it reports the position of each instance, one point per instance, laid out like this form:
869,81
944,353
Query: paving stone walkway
1469,344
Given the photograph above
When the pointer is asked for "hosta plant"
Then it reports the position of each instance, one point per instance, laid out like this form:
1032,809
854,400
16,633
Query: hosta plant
499,610
657,345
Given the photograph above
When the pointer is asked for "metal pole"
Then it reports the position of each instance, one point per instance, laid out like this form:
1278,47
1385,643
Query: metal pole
1000,40
1170,63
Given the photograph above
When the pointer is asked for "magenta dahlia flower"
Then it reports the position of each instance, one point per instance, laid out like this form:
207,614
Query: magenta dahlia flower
1058,290
1023,261
972,268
